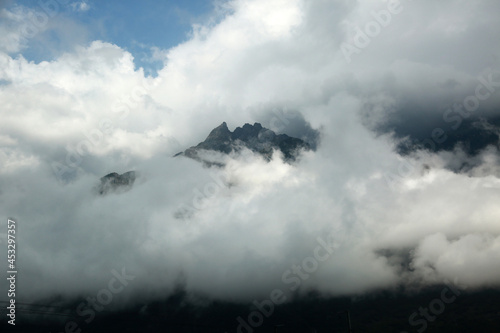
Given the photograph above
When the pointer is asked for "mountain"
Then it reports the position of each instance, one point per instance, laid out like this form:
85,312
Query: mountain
254,137
114,181
471,311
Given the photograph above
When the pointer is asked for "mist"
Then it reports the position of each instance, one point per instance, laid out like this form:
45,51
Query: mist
235,233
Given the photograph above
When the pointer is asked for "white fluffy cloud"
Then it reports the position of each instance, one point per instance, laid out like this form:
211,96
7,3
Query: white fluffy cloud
90,112
80,6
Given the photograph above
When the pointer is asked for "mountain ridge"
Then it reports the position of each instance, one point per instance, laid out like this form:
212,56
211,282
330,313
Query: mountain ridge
254,137
114,181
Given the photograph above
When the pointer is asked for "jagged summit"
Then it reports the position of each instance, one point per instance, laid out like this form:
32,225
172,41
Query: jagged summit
247,132
219,139
114,181
254,137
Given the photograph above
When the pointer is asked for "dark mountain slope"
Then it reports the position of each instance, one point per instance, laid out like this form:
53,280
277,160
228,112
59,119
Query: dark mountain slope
254,137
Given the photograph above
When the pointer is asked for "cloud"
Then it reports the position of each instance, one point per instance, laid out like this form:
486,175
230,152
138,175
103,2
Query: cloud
90,112
43,31
15,28
80,6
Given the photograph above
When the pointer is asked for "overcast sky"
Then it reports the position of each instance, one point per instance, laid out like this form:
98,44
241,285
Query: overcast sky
90,87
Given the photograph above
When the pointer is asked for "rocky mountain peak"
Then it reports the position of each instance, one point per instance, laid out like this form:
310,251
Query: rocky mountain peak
254,137
247,132
221,132
114,181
